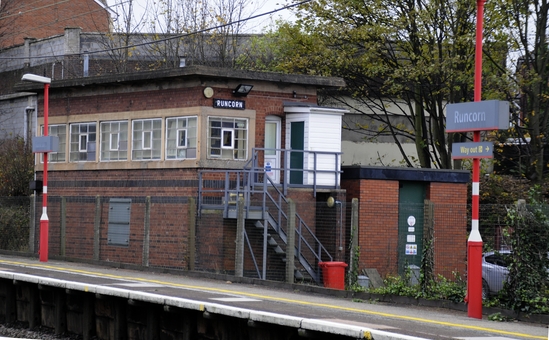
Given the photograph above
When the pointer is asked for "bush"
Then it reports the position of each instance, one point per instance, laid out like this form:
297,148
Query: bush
14,225
16,167
528,283
438,289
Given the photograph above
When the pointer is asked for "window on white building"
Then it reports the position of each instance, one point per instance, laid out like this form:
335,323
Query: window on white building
83,142
114,141
228,138
146,139
181,137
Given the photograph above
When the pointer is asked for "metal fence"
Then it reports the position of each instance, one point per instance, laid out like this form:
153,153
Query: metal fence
167,232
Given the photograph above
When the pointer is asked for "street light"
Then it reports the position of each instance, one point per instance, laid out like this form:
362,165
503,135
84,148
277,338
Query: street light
44,221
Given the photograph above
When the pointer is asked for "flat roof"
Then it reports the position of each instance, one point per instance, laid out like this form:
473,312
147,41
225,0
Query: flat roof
190,72
405,174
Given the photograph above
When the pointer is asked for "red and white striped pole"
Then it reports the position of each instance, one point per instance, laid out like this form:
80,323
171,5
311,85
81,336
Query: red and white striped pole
44,220
474,243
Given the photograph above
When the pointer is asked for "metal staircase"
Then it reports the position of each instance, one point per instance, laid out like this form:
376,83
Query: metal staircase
265,203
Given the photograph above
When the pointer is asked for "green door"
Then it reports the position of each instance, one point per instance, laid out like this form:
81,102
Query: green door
410,225
297,142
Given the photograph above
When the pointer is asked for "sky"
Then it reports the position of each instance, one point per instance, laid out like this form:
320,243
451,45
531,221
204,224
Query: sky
256,26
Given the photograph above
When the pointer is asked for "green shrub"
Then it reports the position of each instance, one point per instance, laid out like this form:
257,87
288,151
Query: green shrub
14,227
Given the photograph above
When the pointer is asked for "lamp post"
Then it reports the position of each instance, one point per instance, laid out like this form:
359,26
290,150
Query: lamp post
44,221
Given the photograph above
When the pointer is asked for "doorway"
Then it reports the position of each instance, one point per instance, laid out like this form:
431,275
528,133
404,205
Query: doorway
410,226
297,142
272,148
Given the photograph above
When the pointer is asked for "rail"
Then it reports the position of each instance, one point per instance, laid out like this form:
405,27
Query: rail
266,200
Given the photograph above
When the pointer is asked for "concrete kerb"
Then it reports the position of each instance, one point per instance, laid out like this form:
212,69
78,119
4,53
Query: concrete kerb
278,319
394,299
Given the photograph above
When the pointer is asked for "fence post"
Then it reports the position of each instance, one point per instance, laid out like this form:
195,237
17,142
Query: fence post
192,233
239,253
97,228
290,246
147,231
63,227
428,260
353,257
32,224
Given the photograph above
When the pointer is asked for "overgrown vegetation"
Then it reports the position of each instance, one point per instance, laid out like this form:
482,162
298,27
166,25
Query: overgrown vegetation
14,223
526,231
16,170
16,167
527,288
440,288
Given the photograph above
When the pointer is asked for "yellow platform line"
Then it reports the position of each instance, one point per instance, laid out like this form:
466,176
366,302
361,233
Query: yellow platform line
280,299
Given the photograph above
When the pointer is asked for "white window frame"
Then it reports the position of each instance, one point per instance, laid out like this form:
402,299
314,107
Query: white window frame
139,145
111,135
181,136
85,148
88,149
231,139
146,135
228,125
110,132
179,139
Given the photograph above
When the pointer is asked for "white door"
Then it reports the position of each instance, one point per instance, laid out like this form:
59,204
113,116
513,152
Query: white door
272,146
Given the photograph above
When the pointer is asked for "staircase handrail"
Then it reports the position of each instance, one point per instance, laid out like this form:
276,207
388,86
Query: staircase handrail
336,171
301,222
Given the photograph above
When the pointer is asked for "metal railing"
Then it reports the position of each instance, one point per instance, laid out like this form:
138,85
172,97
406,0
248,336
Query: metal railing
263,200
321,169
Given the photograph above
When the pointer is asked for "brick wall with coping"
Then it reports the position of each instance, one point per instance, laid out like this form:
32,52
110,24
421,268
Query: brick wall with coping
378,222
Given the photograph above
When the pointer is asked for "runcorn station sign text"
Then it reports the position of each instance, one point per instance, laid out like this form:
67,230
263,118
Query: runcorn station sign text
477,116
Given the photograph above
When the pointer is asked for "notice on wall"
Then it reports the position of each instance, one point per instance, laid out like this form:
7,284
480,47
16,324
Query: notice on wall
411,238
411,221
411,249
269,169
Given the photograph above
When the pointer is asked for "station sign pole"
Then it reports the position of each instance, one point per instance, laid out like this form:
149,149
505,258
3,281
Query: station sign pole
475,117
474,243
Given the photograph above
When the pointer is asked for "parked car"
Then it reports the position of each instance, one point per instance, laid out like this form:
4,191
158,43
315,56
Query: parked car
494,271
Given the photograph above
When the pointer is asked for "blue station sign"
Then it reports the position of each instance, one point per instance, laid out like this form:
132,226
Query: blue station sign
477,116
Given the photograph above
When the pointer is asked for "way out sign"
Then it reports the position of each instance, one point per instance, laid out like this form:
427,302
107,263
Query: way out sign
477,116
472,150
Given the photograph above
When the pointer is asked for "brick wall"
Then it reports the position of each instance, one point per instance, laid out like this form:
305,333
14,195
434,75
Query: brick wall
450,227
44,18
169,234
169,191
378,224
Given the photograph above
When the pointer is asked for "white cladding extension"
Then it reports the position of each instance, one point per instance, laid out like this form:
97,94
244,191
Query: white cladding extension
322,132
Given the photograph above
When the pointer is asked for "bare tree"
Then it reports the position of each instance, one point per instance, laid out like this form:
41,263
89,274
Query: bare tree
158,35
527,21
